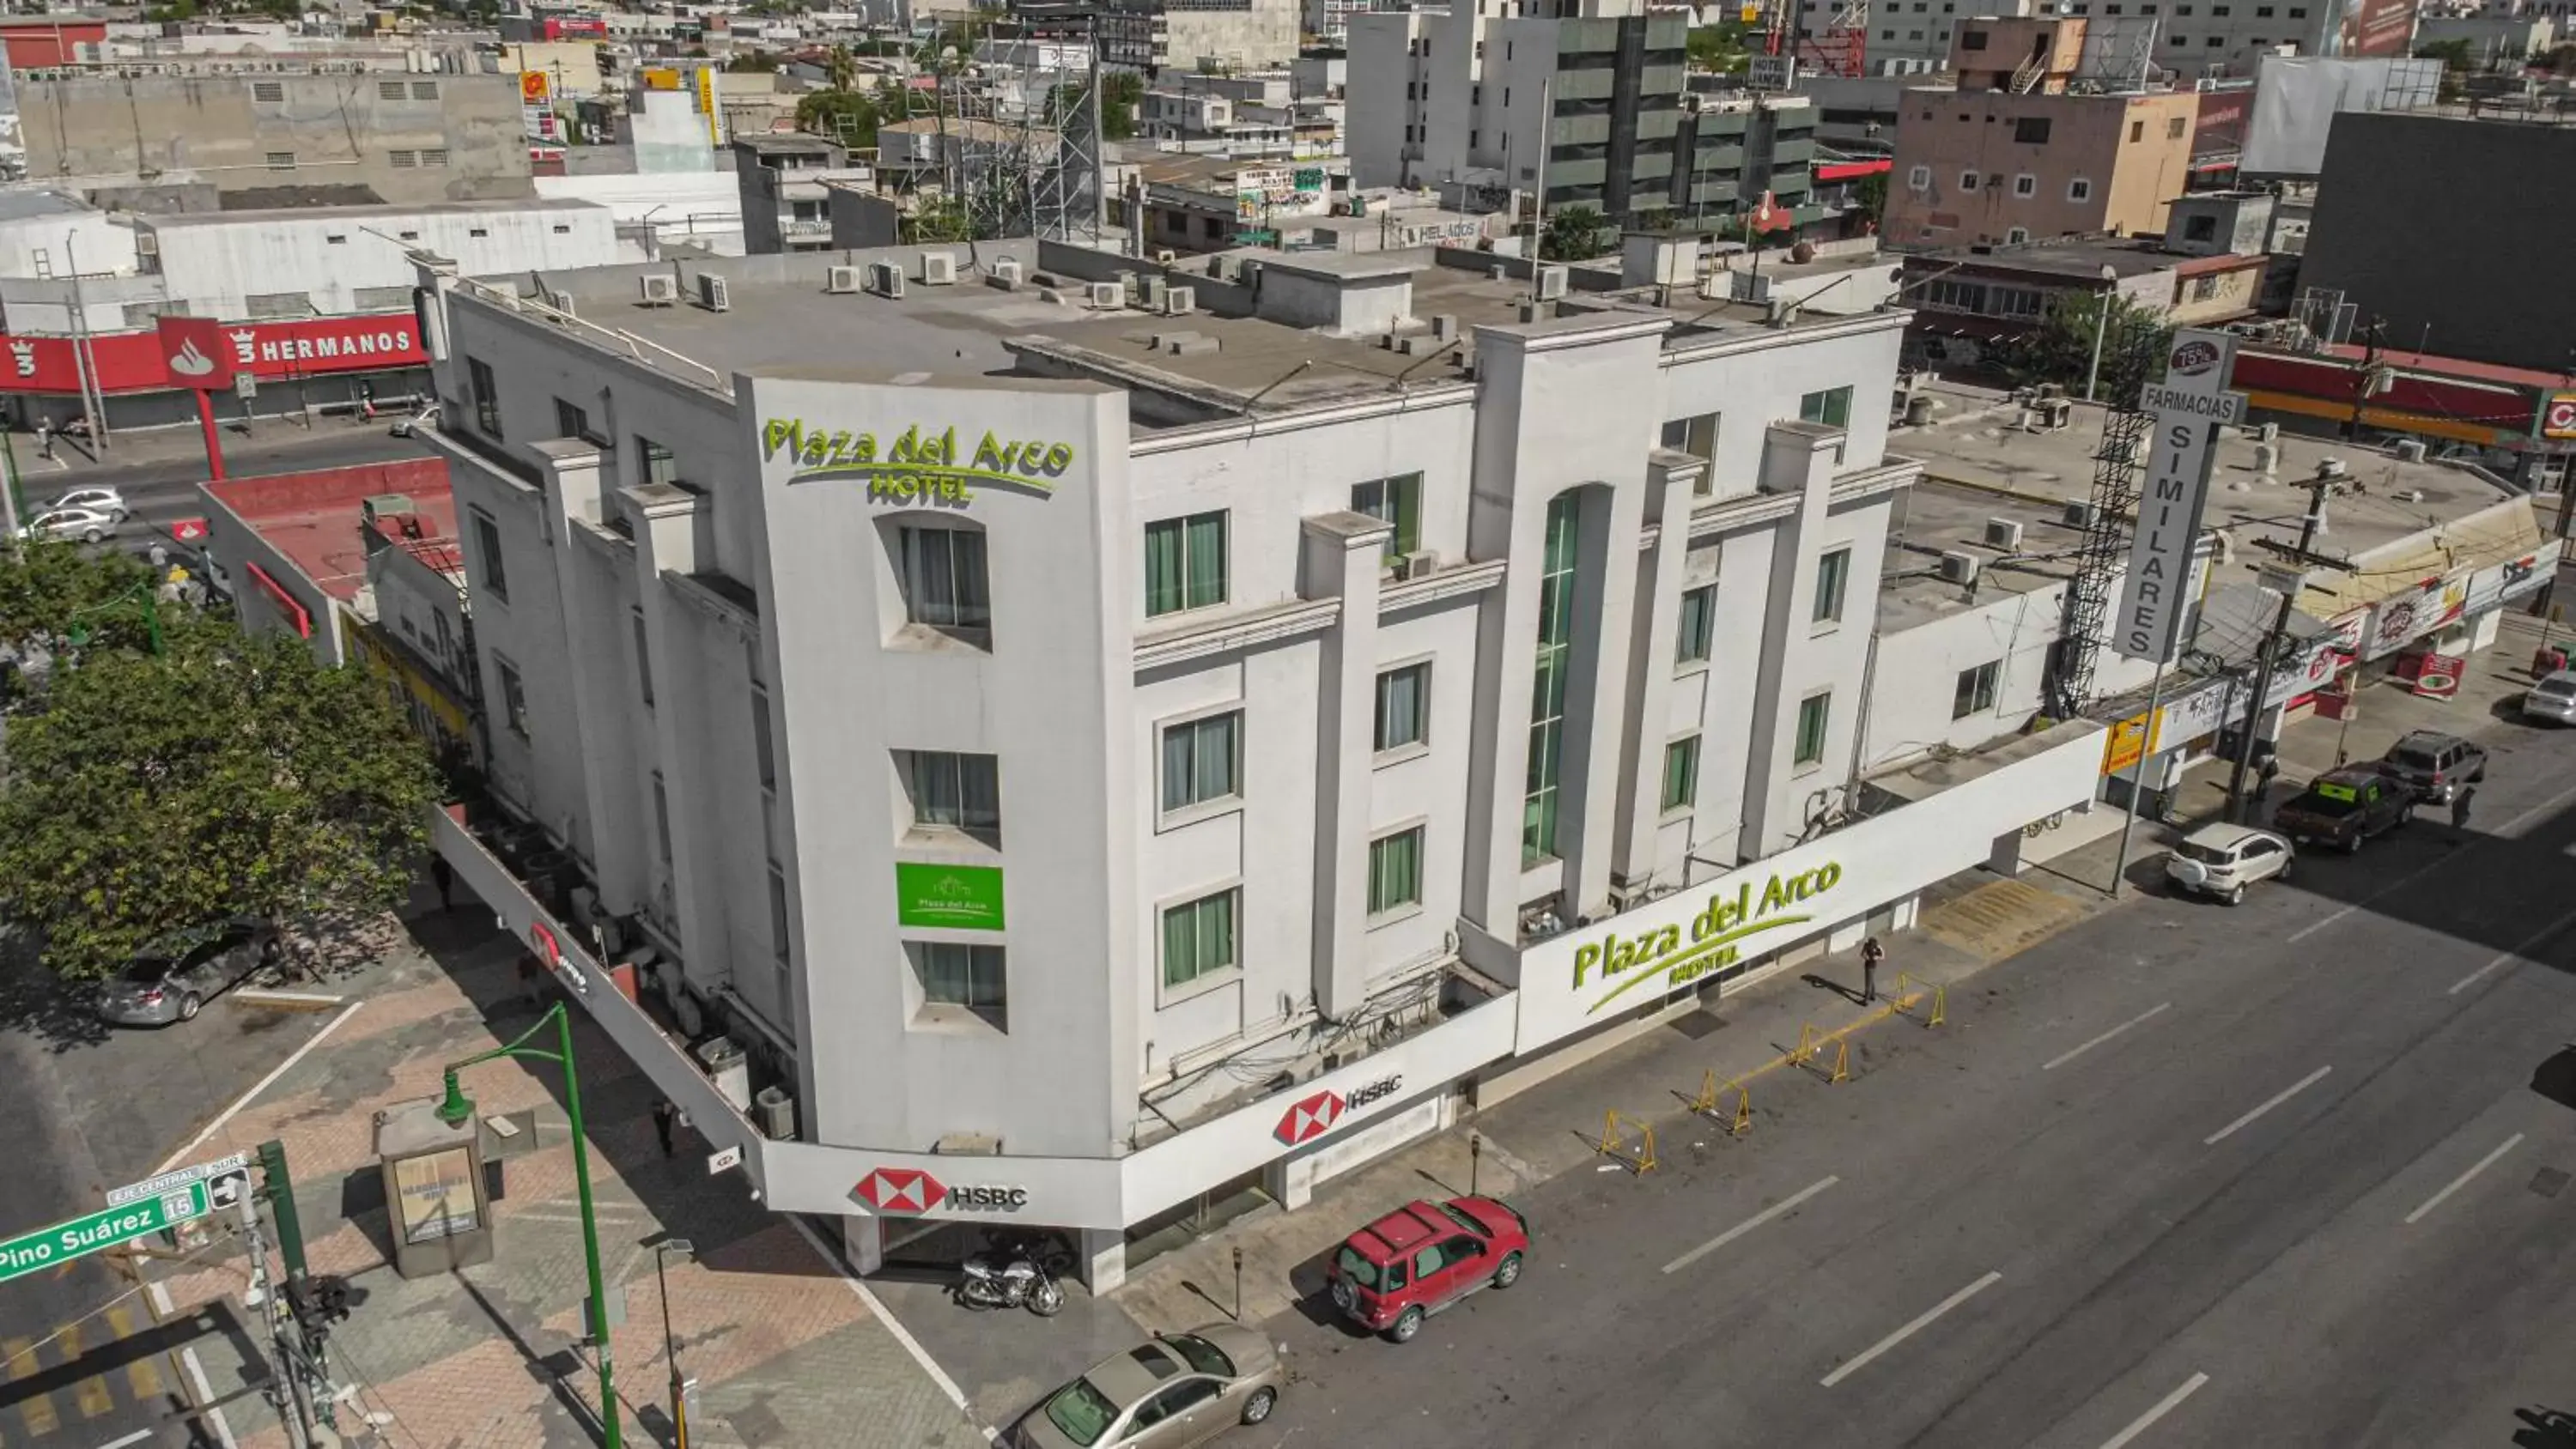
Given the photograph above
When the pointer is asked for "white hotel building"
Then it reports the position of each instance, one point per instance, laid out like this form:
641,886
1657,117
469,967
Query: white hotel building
1105,762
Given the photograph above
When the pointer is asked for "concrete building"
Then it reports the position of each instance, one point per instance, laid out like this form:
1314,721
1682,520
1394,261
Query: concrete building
2015,154
1152,36
406,139
786,204
1969,298
2385,172
1908,37
1105,761
2200,40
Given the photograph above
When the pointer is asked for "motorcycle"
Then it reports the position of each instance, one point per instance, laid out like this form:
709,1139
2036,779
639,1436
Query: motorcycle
1015,1270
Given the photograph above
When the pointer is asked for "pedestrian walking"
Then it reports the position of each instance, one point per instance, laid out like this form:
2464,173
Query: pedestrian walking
666,1117
1871,953
443,876
45,438
2460,808
2264,775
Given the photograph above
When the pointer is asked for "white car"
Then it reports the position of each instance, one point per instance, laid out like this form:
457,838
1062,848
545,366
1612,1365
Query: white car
96,500
71,525
410,423
2552,698
2222,860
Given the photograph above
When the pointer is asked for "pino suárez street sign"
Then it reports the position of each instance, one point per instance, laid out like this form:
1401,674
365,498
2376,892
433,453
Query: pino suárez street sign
59,1244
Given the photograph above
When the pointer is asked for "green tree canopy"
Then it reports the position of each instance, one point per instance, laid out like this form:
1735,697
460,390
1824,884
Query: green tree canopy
1121,92
1573,235
230,775
51,588
849,117
2060,350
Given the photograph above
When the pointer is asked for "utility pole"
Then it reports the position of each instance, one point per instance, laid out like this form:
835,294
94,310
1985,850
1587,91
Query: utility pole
2361,386
2309,527
272,1347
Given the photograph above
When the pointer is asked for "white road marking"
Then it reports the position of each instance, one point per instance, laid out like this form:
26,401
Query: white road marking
1911,1329
2304,932
2164,1406
2461,1181
2534,939
2536,811
2062,1058
1786,1204
258,1087
2231,1129
137,1437
893,1325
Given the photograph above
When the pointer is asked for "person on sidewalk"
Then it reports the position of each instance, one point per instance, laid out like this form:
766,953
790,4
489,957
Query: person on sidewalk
2264,775
45,439
443,876
1871,953
666,1117
2460,811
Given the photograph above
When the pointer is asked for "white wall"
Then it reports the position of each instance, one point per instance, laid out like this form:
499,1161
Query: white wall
216,265
48,246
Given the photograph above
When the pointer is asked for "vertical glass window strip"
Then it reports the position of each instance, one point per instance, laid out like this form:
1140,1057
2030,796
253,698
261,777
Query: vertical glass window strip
1681,773
1547,691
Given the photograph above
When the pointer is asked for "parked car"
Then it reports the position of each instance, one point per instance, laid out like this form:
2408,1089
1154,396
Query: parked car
410,423
2222,860
97,500
175,980
2434,765
1425,1257
1170,1392
2552,697
69,525
2345,807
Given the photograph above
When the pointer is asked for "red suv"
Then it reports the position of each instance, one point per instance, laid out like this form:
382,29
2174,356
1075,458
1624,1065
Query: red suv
1424,1257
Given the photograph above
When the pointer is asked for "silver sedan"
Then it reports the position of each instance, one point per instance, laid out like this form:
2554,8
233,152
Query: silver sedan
1172,1392
173,983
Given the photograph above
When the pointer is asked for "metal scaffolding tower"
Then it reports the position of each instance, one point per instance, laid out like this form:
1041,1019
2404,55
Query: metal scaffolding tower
1026,164
2129,362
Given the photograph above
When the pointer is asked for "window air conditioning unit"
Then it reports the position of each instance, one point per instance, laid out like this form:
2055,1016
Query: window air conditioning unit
1180,301
1164,256
659,290
1959,568
1551,283
840,281
885,279
1107,296
1007,271
1416,565
938,269
713,294
2003,533
2079,513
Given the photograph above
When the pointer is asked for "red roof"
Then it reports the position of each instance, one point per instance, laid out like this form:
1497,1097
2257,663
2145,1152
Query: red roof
316,520
2460,367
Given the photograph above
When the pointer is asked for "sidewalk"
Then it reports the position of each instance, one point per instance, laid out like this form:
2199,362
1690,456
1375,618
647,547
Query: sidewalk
786,1350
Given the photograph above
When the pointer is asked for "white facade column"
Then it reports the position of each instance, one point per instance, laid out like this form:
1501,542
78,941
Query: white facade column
1343,557
603,699
863,1243
1670,478
666,522
1101,1258
1797,458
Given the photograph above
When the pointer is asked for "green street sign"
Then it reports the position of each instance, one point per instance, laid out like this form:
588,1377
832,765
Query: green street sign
59,1244
948,897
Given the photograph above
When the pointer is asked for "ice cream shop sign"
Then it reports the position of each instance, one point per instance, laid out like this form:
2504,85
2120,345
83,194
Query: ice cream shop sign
126,362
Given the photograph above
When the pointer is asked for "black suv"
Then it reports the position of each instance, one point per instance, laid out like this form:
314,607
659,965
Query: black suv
2433,765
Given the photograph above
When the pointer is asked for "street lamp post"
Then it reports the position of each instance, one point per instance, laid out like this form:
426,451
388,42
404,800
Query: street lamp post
671,1346
140,593
458,1108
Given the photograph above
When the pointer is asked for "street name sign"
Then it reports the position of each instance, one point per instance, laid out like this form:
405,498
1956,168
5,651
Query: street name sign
81,1236
178,1176
2188,408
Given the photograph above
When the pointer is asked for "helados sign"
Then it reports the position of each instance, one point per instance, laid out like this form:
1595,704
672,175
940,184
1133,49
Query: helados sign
918,465
1678,952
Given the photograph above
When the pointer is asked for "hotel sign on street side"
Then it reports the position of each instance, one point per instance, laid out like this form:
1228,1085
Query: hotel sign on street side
2188,409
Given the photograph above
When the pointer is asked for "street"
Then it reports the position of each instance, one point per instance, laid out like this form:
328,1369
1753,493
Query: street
2289,1173
159,471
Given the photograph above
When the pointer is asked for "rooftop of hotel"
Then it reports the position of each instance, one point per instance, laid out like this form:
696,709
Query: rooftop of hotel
1220,359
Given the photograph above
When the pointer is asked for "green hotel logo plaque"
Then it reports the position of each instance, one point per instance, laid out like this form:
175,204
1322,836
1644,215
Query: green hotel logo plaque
948,897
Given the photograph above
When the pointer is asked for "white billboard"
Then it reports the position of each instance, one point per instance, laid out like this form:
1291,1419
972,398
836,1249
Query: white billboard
2189,407
2296,99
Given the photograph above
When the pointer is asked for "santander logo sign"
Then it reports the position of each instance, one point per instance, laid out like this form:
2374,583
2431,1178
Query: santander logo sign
189,362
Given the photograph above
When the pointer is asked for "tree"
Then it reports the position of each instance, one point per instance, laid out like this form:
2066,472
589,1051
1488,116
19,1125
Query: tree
2060,349
232,774
2457,61
753,61
1869,197
841,68
1121,92
935,220
849,117
51,588
1573,235
1717,47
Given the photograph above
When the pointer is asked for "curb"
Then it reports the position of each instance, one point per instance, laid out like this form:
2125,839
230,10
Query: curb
313,1001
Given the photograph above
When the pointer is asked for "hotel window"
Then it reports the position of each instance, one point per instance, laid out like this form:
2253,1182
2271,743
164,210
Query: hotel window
1698,626
1198,939
1395,871
1968,180
780,937
953,791
1547,695
643,657
570,421
1184,564
1396,502
2079,189
764,756
1831,407
1833,575
1696,436
954,974
944,585
487,395
1202,761
657,463
514,697
1403,707
487,551
661,821
1976,691
1681,774
1813,714
1920,177
2025,185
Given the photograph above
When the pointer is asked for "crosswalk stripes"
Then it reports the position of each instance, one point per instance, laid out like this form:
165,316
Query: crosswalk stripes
36,1410
90,1395
93,1397
143,1375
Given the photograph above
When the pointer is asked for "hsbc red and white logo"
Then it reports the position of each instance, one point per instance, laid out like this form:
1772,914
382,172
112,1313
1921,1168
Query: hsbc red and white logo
1314,1116
900,1190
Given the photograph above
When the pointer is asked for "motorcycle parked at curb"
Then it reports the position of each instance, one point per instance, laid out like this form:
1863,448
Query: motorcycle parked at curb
1016,1270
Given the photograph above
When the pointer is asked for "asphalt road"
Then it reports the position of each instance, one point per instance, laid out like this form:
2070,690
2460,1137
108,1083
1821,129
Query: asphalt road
160,488
2293,1173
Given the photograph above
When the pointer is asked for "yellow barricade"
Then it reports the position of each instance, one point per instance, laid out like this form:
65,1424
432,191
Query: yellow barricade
1711,1102
1812,1043
1615,1133
1911,993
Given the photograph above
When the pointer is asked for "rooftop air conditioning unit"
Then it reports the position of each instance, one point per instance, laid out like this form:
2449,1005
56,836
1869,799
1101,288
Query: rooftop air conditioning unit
2079,513
1420,564
1180,301
1959,568
1165,256
885,279
1748,287
1551,283
840,281
938,269
1107,296
1007,271
659,290
713,294
2003,533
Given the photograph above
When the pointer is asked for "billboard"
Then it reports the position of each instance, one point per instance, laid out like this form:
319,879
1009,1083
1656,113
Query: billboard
2297,97
2375,27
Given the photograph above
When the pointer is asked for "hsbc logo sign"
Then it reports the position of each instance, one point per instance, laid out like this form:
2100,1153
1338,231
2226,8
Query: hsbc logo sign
911,1191
1312,1117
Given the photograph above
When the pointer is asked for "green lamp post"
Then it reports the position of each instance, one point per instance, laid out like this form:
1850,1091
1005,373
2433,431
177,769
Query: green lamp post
458,1108
141,594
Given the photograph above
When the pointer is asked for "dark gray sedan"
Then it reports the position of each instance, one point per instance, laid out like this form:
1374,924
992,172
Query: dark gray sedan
175,981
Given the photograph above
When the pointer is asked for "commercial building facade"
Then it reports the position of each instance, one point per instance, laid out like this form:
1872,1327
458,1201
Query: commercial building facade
1098,780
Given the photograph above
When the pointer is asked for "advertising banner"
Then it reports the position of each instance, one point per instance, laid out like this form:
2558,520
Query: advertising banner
2188,408
137,362
2401,619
